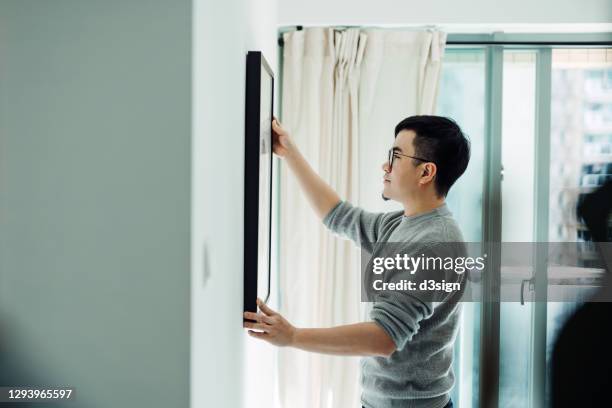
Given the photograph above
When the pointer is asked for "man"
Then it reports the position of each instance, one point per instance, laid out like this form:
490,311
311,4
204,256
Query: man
408,344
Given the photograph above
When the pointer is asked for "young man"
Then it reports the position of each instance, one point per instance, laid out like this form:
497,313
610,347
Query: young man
408,344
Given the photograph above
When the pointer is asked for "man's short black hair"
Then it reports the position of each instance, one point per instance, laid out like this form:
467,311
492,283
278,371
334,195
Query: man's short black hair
440,140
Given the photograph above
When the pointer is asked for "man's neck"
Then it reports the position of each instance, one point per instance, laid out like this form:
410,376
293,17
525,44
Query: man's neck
416,207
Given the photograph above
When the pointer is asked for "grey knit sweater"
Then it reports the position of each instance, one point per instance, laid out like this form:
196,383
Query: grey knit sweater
419,373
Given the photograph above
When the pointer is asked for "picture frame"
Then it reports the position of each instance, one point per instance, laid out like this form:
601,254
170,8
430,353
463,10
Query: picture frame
258,171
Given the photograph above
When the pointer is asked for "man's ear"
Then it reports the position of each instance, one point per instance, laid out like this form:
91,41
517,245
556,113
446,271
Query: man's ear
429,170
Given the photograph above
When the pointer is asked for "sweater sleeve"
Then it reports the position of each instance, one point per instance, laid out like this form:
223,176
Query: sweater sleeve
354,223
400,314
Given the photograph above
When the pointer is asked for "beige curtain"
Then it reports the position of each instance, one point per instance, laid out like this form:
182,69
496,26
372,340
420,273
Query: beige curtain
400,77
341,89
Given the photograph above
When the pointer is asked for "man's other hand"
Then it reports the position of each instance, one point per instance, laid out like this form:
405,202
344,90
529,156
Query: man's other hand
269,326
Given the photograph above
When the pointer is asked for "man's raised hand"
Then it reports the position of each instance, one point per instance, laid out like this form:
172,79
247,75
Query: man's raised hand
281,142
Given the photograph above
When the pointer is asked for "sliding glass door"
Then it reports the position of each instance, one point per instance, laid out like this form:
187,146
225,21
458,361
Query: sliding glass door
540,120
466,105
581,160
517,221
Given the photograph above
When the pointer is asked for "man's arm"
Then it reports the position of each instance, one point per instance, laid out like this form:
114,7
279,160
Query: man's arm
321,196
360,339
360,226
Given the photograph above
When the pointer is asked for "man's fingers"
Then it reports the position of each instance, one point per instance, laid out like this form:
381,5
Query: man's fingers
277,126
258,317
266,319
257,334
264,308
256,326
252,316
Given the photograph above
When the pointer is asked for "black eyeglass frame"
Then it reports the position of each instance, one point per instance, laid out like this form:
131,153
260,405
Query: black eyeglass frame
392,154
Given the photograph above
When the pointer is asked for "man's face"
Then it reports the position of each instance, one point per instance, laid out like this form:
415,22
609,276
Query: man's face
404,180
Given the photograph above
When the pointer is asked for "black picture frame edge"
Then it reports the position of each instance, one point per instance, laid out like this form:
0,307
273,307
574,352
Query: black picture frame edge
255,62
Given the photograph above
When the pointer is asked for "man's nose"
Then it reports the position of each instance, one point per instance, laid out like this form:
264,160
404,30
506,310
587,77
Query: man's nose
386,168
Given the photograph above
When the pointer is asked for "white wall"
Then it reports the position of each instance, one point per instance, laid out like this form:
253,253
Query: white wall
229,369
121,199
395,12
95,134
216,293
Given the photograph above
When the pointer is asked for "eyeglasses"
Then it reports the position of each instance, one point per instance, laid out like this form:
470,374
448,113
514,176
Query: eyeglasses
393,153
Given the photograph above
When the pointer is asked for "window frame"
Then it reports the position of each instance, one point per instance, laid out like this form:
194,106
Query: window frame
494,45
